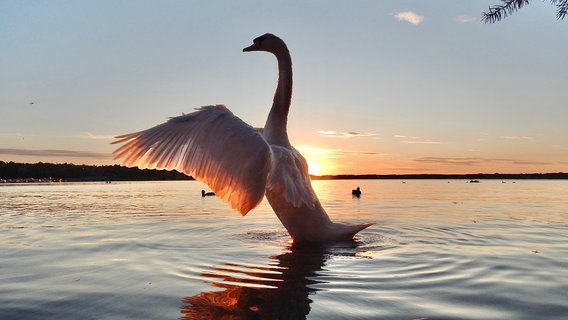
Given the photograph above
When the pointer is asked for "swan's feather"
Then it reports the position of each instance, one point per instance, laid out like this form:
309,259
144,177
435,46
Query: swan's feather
289,175
213,146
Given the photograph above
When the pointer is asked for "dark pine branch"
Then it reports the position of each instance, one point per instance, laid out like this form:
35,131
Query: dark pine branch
562,10
500,11
508,7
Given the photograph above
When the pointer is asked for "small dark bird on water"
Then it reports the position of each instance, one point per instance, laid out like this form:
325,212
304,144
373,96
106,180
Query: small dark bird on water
356,192
205,194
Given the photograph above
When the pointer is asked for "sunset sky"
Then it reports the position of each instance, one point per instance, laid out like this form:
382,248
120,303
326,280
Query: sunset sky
379,86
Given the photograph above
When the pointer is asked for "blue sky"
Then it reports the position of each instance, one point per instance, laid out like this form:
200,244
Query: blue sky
379,86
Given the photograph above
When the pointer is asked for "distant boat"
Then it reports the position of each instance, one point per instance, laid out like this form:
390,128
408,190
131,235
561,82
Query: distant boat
473,181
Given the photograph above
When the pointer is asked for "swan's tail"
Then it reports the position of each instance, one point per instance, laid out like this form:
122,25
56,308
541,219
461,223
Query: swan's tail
345,232
330,232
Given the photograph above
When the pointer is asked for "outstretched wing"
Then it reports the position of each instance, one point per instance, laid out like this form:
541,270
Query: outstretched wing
213,146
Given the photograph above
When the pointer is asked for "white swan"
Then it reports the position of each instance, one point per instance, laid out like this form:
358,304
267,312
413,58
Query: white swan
239,163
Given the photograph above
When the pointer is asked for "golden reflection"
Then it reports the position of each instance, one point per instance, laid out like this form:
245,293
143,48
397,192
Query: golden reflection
280,290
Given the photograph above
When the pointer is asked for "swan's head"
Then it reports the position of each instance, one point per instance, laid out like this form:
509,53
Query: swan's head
267,42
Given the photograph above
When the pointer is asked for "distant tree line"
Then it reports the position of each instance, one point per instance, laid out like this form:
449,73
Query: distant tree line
72,172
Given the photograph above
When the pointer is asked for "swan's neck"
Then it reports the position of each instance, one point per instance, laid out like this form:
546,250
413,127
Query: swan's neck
275,127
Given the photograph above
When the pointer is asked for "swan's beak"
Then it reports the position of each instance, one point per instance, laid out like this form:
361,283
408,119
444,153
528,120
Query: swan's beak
253,47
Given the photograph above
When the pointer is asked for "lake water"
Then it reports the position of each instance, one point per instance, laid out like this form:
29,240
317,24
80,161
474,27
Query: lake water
158,250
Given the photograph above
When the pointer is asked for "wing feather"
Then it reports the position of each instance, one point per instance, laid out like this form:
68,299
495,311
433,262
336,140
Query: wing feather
289,177
213,146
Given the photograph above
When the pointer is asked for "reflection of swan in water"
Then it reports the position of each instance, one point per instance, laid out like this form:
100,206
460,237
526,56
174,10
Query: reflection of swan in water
239,163
279,291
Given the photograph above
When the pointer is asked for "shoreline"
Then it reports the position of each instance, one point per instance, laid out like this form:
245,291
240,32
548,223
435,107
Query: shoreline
11,172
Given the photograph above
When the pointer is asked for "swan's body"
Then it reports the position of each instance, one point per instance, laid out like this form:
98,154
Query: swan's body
239,163
356,192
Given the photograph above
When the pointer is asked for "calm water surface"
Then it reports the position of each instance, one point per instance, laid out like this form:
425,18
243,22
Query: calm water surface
439,250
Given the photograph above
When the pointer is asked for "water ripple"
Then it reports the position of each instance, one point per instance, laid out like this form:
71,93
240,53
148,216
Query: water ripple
438,250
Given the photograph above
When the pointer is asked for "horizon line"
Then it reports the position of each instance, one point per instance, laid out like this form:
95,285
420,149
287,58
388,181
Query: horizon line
346,175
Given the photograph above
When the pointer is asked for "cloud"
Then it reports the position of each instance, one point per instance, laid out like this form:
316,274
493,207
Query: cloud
358,134
349,134
360,152
92,136
331,153
465,19
54,153
516,138
416,140
410,17
470,161
446,160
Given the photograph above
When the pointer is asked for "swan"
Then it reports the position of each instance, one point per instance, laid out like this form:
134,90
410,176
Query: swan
356,192
239,163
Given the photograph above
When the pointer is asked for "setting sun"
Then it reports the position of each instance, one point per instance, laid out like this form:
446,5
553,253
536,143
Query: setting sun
318,159
313,168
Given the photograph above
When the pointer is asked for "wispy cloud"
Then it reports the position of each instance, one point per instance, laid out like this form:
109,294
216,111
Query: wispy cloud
470,161
416,140
464,18
93,136
54,153
358,134
517,138
349,134
410,17
446,160
558,146
360,152
519,162
327,152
